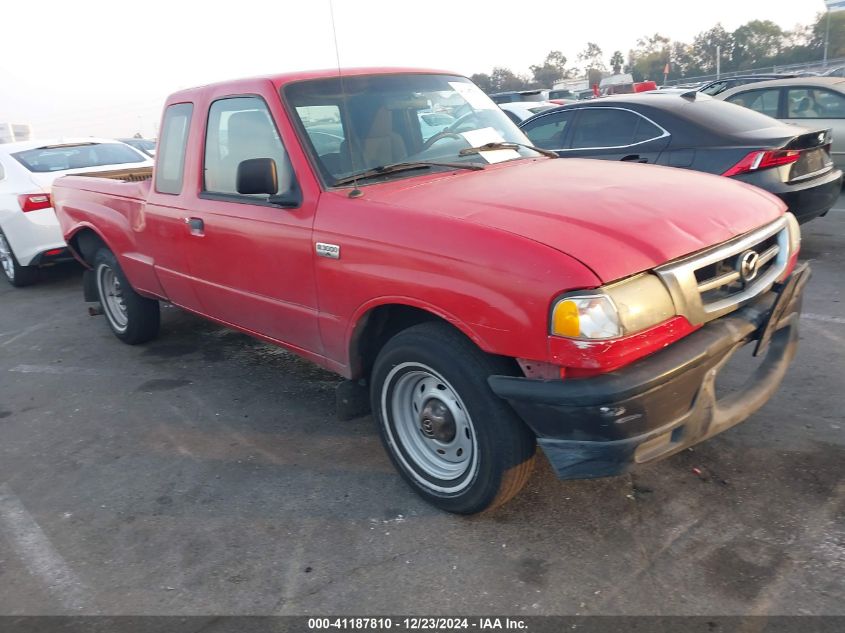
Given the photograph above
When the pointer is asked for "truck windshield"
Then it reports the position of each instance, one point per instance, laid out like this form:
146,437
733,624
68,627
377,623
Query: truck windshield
366,122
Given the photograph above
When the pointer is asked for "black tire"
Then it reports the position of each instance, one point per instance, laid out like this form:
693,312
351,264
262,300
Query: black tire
415,367
133,319
17,275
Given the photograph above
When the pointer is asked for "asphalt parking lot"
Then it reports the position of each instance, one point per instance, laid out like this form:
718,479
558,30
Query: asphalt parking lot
205,473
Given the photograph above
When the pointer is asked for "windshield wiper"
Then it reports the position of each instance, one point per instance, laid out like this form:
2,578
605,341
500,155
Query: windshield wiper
383,170
505,145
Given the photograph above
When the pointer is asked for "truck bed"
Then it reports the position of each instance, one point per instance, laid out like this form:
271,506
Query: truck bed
133,174
131,183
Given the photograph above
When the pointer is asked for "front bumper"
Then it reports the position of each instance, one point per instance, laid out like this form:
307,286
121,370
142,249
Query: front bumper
662,404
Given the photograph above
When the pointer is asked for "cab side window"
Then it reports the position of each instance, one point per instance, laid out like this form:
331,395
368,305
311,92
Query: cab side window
239,129
170,162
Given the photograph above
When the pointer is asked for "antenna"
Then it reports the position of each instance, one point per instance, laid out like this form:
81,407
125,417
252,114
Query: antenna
355,193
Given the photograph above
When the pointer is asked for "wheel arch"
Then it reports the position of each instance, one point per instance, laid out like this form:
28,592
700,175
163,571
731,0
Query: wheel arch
376,323
84,243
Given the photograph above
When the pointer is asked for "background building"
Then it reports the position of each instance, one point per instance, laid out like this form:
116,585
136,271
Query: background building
11,132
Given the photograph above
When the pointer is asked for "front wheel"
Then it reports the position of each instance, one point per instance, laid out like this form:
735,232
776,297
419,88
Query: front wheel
133,319
455,442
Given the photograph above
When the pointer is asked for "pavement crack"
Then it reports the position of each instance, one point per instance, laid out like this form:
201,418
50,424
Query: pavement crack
344,574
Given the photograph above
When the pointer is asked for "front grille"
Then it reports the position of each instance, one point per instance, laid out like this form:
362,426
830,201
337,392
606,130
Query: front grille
711,283
723,279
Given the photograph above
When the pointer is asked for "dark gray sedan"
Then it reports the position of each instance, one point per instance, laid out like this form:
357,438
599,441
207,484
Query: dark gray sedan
694,131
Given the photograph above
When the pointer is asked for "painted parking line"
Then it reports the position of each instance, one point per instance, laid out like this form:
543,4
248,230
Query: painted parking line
41,559
824,318
57,369
22,333
826,333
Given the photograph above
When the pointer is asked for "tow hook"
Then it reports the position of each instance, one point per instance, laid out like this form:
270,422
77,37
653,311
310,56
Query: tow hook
96,310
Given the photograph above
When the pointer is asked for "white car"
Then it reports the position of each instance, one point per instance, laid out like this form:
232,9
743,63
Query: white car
30,235
518,111
432,123
144,145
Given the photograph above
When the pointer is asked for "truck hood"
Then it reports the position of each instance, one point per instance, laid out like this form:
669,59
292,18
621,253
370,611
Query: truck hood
618,219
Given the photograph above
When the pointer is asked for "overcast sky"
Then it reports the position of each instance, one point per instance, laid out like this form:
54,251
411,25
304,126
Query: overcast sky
94,67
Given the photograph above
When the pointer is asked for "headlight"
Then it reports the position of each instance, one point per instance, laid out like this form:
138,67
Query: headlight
622,308
586,316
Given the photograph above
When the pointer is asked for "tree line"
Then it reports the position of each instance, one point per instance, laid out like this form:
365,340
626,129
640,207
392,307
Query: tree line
756,44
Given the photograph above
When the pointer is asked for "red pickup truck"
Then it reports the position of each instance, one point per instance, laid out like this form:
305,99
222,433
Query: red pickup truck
489,297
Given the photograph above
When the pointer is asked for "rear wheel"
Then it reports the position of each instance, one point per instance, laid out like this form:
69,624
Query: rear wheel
13,272
458,445
133,319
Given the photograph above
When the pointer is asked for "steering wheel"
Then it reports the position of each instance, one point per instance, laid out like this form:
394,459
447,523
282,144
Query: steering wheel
439,137
471,118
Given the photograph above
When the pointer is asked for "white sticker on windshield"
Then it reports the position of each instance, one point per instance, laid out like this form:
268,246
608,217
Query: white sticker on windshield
473,95
485,135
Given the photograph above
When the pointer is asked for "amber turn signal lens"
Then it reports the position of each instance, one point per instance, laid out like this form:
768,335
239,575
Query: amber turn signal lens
565,321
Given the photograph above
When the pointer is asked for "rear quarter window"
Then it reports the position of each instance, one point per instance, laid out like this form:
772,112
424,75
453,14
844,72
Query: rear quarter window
764,101
170,161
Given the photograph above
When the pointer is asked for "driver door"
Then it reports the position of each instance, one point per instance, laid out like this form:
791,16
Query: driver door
252,261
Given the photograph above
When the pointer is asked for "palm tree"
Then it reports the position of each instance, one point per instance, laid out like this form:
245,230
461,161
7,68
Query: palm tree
616,62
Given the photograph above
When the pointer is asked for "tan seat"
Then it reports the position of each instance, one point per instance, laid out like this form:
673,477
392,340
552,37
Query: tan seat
382,145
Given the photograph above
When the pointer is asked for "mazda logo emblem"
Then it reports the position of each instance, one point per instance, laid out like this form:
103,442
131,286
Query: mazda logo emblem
748,265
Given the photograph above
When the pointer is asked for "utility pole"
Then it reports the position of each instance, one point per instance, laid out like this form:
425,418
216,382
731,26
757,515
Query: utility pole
718,62
826,38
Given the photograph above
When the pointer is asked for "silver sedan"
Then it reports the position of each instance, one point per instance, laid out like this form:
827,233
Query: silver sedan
807,101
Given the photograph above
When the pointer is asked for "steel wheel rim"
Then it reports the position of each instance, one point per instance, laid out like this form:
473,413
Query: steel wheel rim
437,458
6,258
111,293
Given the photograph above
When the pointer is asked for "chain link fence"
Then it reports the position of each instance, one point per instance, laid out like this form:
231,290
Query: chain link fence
813,67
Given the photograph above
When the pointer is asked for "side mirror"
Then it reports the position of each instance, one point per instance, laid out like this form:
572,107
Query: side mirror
257,175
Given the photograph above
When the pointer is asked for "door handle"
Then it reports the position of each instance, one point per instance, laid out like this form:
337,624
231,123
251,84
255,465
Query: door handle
196,226
633,158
